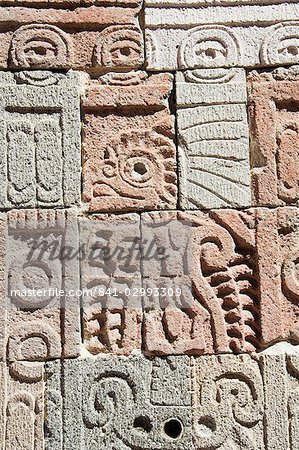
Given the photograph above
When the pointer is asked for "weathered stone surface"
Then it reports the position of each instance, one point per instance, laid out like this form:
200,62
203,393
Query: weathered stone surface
189,34
97,38
224,402
129,153
39,139
147,397
22,407
222,313
44,324
281,375
274,111
213,139
166,241
111,279
228,403
278,252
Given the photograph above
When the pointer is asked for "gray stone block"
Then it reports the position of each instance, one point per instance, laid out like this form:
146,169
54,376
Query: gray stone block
228,402
117,403
40,141
42,317
213,139
21,407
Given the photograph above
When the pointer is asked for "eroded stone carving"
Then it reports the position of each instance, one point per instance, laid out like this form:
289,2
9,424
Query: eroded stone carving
131,164
278,253
189,34
39,327
210,402
281,45
274,110
228,403
110,274
81,35
22,410
209,46
119,46
39,139
213,138
223,314
41,46
134,385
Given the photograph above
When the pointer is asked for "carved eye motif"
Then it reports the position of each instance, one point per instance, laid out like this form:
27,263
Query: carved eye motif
138,170
40,46
119,47
123,51
289,49
209,46
211,51
33,275
281,45
35,51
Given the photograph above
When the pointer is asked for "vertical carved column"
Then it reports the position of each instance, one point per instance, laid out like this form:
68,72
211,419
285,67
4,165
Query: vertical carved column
213,139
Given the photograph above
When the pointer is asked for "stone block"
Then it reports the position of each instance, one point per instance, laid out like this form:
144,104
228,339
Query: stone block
111,282
274,111
225,402
214,34
39,139
150,407
222,314
166,244
213,137
280,375
129,152
277,240
41,276
228,403
98,38
22,407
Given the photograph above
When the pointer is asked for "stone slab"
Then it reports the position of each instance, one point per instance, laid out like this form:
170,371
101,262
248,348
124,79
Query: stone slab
111,279
147,397
224,402
222,314
274,114
211,35
244,277
129,152
213,135
39,139
22,407
42,316
98,38
277,251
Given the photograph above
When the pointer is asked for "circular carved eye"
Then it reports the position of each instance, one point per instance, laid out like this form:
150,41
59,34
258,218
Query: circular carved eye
123,51
211,50
138,170
119,46
37,50
281,45
209,47
40,46
33,275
